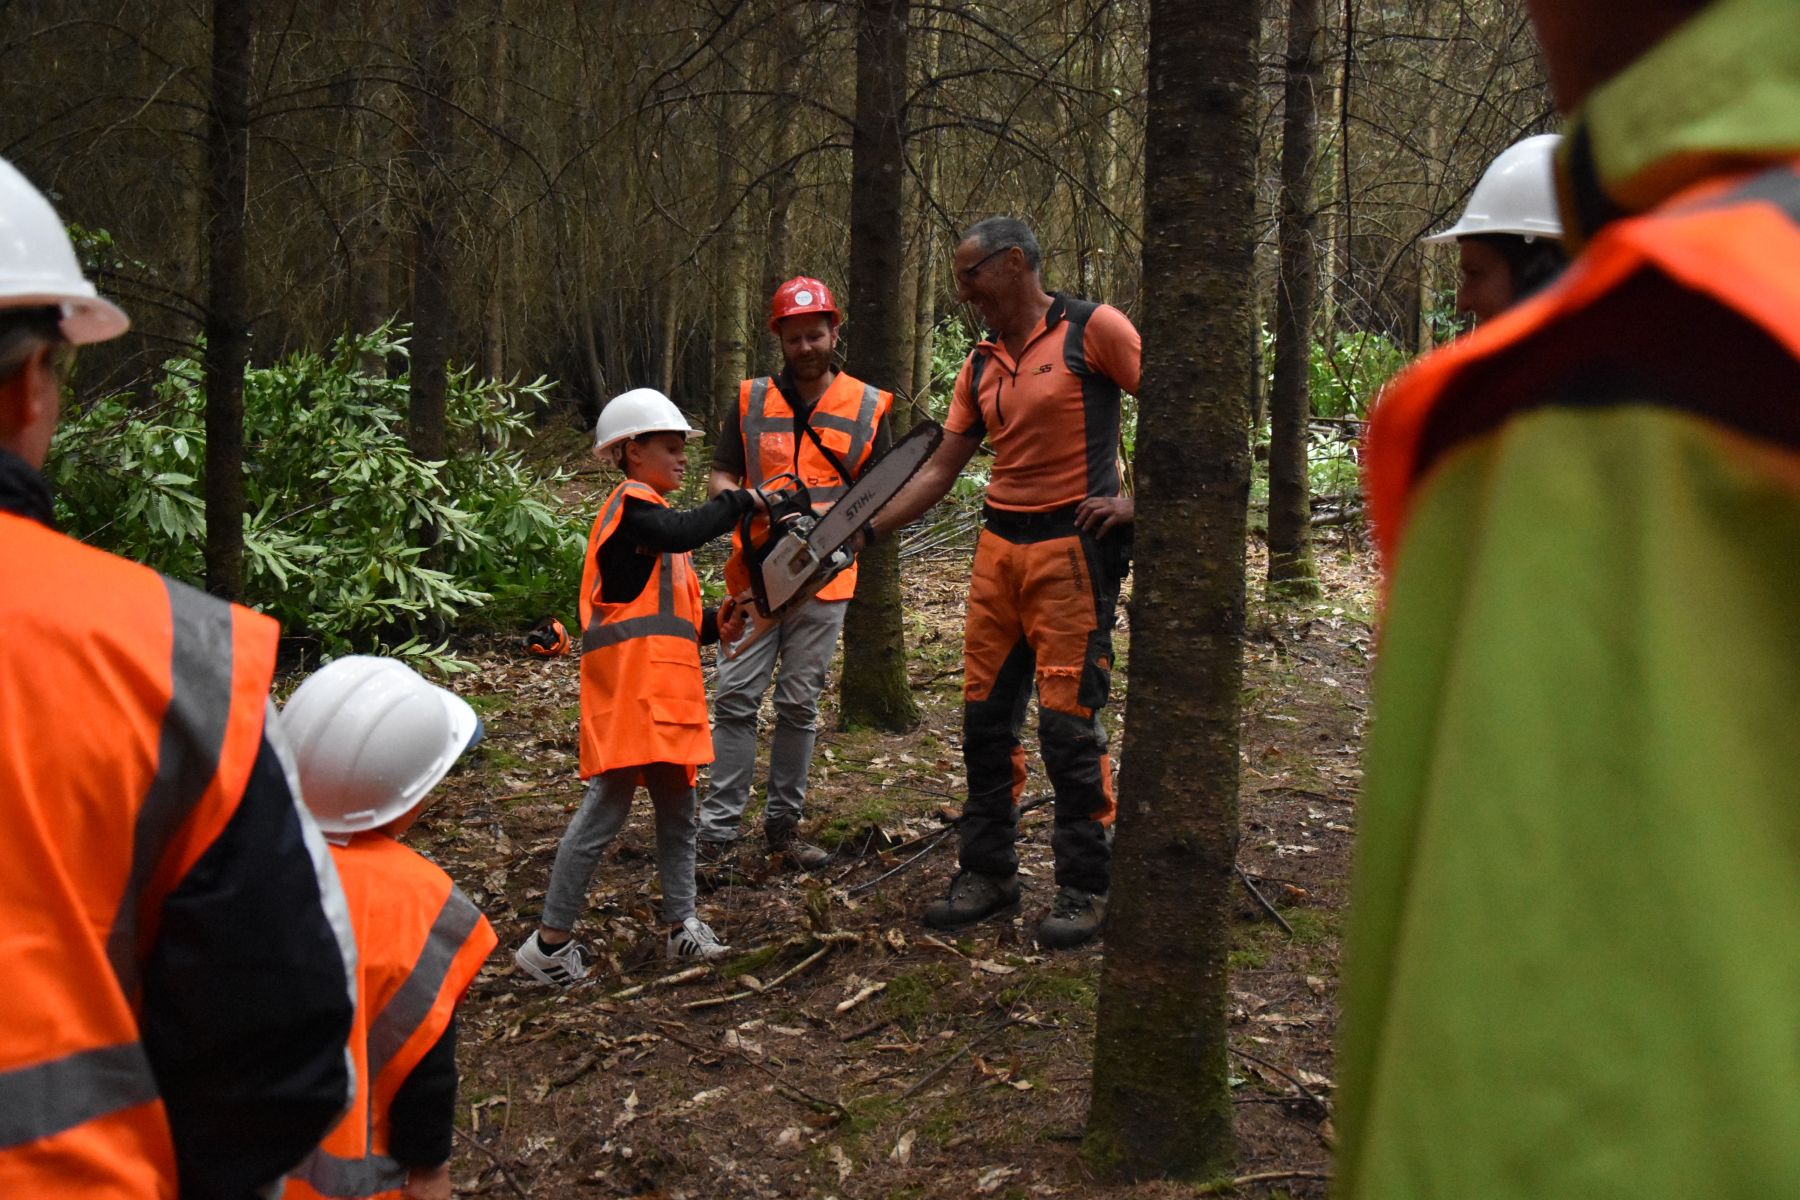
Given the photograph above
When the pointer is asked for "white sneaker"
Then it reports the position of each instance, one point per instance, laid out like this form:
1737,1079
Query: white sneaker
695,939
568,965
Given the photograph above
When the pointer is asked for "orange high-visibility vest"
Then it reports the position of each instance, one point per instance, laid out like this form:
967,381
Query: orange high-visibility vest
845,419
420,943
643,699
1735,241
131,713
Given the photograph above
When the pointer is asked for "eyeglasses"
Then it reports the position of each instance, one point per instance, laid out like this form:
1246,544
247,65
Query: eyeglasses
967,275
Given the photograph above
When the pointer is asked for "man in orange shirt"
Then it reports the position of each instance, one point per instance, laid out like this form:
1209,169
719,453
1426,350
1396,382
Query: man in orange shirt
1043,389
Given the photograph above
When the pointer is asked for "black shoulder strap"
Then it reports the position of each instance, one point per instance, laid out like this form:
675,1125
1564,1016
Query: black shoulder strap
803,417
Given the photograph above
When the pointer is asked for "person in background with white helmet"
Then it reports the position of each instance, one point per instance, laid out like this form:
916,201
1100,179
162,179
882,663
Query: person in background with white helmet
371,739
643,699
177,955
823,426
1509,237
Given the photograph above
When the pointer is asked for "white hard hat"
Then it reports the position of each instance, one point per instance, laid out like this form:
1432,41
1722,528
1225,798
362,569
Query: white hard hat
1516,195
371,738
38,268
639,411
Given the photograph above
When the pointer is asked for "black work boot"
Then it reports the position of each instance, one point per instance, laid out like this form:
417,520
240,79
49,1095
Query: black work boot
972,897
785,840
1075,917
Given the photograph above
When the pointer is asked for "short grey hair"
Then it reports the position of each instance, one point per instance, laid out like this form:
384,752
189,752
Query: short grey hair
993,234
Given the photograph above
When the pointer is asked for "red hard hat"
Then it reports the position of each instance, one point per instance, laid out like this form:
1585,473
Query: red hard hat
801,294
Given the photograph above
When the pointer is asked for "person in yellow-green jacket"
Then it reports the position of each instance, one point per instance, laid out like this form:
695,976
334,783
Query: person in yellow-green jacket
1571,966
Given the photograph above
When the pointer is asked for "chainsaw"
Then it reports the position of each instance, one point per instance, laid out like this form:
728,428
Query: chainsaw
801,550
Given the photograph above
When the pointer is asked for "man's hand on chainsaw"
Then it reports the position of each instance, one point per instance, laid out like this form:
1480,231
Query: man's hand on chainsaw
731,617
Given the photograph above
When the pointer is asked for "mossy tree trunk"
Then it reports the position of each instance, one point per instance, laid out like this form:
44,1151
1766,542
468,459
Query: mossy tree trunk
1291,570
877,693
1161,1105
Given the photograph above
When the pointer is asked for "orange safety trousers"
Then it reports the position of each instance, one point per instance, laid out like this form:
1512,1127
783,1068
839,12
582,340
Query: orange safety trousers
1040,614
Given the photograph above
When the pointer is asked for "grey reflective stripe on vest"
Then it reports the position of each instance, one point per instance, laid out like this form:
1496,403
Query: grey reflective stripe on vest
864,433
663,622
401,1017
756,423
329,1175
187,755
49,1097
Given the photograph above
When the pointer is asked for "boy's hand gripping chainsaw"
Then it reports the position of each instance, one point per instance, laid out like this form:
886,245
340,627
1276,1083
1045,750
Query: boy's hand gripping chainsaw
801,551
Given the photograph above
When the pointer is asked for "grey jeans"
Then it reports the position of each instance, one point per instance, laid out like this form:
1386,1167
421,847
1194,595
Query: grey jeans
804,645
598,821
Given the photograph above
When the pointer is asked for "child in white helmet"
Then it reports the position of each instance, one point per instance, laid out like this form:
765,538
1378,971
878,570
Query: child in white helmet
370,740
643,700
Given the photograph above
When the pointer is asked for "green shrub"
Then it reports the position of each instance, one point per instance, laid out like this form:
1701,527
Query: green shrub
335,501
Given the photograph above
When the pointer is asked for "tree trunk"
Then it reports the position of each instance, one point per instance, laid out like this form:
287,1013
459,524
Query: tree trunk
1291,570
499,295
731,344
431,226
227,294
926,255
877,692
1161,1104
782,185
665,339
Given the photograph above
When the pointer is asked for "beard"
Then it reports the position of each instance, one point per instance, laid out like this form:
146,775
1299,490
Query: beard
809,368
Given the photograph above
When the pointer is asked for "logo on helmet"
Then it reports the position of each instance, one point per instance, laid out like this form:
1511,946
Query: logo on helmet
803,297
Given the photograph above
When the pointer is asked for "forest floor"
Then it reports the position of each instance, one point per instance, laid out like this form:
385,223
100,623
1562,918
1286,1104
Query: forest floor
845,1051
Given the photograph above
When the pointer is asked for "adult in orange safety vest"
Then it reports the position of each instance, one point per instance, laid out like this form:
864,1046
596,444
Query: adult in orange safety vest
822,426
175,946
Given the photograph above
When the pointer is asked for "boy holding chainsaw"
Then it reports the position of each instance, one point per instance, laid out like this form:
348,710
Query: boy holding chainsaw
643,702
820,428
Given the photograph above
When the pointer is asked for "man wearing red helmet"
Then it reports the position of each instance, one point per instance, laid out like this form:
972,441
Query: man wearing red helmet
820,424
